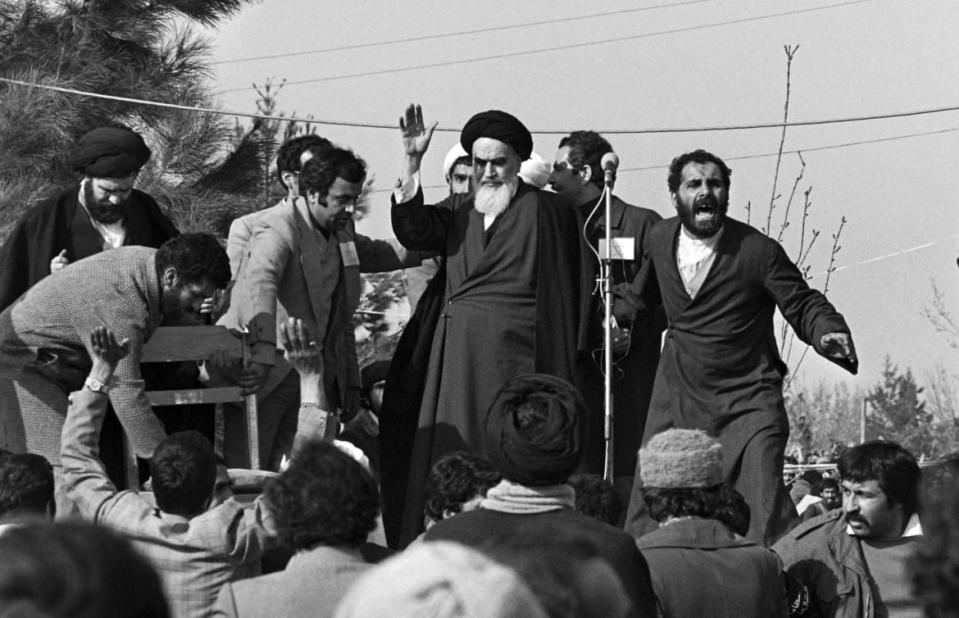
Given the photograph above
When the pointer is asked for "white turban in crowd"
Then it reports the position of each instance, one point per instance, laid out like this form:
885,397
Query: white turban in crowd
455,153
535,171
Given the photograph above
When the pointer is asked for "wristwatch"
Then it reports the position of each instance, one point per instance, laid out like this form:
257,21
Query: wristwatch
92,384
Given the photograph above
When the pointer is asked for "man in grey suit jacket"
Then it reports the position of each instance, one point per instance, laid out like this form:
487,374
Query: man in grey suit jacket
304,259
44,353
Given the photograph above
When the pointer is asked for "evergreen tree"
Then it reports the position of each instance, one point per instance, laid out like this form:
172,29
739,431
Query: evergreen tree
898,414
200,172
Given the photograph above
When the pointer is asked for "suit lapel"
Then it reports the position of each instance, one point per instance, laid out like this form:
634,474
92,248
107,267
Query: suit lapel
312,254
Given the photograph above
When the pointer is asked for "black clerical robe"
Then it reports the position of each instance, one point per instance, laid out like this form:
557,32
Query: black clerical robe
61,223
720,369
512,305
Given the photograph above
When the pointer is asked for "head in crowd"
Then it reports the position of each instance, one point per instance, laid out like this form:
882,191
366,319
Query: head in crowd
457,483
682,472
566,571
109,158
831,493
597,498
26,487
814,478
498,143
535,171
458,170
324,497
733,510
183,468
373,378
880,488
699,188
934,566
192,267
440,579
76,570
577,173
293,154
332,182
535,430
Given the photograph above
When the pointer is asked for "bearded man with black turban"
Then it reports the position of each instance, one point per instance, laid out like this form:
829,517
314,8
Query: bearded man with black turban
512,300
103,211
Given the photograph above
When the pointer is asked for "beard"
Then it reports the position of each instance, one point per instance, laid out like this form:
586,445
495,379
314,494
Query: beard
704,217
104,212
493,199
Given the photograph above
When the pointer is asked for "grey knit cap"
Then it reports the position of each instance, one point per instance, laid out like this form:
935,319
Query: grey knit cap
678,458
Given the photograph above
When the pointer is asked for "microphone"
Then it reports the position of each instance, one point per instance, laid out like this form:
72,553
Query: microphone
609,163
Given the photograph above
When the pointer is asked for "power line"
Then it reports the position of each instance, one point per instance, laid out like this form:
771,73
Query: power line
364,125
765,155
647,168
544,50
460,33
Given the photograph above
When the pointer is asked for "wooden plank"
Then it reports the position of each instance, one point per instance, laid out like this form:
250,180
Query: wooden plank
195,395
188,343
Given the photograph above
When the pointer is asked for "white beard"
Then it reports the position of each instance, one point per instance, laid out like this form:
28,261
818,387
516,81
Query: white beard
491,200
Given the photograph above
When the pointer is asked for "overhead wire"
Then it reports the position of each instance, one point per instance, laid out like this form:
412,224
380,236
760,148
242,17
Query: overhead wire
564,47
445,35
367,125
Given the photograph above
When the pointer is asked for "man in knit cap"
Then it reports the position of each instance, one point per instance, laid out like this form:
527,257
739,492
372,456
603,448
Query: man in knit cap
695,561
511,303
535,437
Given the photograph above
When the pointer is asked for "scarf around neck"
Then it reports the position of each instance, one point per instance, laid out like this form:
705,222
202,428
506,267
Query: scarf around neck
509,497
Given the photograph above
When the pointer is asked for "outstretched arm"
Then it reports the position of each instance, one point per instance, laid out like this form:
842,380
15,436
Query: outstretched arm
84,476
316,420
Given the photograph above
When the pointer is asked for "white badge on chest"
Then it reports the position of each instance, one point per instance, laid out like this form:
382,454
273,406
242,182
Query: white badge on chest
622,248
348,253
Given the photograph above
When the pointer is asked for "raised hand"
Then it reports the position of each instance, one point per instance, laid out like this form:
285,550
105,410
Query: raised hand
301,350
416,136
59,261
106,348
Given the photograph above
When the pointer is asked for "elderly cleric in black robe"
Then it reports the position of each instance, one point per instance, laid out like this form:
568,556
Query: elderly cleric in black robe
512,302
66,225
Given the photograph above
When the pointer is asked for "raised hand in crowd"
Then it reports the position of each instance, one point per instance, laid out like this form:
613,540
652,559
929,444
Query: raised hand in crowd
106,352
316,418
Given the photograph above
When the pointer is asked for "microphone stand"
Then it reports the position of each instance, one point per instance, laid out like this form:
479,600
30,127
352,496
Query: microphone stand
606,287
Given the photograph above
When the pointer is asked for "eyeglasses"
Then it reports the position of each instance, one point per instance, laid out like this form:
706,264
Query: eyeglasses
563,166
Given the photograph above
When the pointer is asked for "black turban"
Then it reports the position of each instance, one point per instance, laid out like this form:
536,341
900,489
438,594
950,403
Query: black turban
110,152
501,126
536,430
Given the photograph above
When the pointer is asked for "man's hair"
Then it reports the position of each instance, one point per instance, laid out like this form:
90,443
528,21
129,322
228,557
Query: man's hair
455,479
586,149
288,156
324,497
319,173
702,157
597,498
887,463
733,511
76,570
196,258
705,502
26,484
828,483
184,473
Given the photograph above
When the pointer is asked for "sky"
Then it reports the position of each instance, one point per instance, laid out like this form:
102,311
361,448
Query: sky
622,68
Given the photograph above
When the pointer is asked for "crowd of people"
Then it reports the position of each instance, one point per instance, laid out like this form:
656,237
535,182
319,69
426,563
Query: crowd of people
464,476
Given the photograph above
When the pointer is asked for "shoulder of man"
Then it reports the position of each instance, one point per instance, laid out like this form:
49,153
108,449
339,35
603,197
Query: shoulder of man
811,530
638,213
